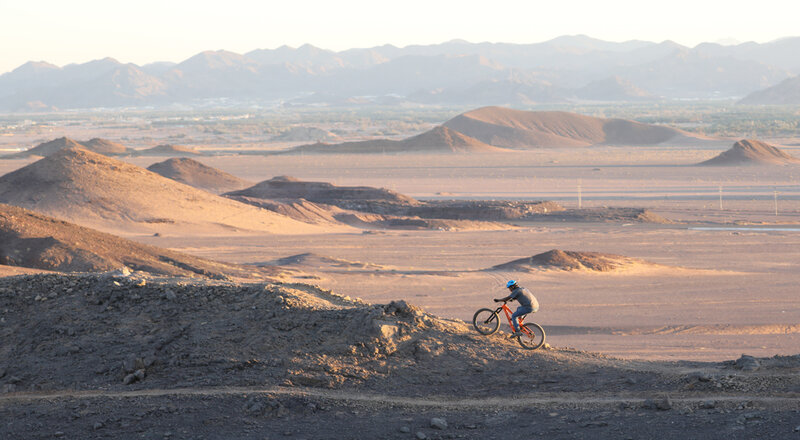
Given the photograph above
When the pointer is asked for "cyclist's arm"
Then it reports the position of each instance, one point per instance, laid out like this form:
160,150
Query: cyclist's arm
508,298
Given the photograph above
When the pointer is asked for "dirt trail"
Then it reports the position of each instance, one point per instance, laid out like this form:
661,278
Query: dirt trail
574,400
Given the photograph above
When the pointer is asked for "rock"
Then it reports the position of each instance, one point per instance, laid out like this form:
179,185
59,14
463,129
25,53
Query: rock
661,404
148,361
708,404
701,376
401,308
97,425
405,429
438,423
255,408
747,363
420,435
130,364
133,377
8,388
2,372
386,330
123,271
170,295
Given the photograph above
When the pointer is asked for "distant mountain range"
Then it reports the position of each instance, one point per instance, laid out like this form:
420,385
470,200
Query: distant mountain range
565,69
787,92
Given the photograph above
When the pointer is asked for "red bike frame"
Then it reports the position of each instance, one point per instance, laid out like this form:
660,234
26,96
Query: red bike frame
508,312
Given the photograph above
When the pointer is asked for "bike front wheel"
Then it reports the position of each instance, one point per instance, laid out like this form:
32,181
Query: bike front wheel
532,336
486,321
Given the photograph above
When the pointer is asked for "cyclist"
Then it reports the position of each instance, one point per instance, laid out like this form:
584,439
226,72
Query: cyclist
527,303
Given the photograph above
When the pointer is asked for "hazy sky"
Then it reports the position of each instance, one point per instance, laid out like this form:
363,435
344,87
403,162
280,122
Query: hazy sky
143,31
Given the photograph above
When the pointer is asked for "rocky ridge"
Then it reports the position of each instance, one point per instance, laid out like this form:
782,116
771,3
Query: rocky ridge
571,260
89,332
84,187
751,152
97,145
88,356
29,239
196,174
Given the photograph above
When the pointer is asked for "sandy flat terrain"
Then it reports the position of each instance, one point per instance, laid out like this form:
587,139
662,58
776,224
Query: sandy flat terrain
651,176
725,292
734,291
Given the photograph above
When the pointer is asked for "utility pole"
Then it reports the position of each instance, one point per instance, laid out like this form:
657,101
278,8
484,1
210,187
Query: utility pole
720,197
775,193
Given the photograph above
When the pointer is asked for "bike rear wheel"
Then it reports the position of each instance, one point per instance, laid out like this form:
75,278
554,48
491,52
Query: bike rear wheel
532,336
486,321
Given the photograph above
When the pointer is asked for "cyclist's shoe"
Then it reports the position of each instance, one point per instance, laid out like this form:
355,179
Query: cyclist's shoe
515,334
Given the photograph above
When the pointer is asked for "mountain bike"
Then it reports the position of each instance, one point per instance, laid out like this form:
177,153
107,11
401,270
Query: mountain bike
487,322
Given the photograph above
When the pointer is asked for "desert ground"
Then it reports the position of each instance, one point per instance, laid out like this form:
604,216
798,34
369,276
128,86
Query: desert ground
726,278
726,273
658,346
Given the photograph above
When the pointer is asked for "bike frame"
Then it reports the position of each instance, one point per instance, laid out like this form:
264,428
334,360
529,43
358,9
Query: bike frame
508,313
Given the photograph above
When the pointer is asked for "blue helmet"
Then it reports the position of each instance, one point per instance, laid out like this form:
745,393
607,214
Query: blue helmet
511,283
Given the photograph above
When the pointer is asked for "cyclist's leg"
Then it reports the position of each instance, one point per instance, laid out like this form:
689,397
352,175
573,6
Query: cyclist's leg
519,312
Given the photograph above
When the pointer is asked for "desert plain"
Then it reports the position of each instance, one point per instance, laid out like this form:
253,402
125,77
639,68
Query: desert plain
658,341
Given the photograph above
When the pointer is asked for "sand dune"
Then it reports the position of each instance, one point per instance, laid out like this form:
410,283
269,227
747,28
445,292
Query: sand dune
169,150
751,152
286,187
449,139
299,209
570,260
498,129
198,175
94,190
358,206
32,240
98,145
317,261
324,214
104,146
504,127
439,139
